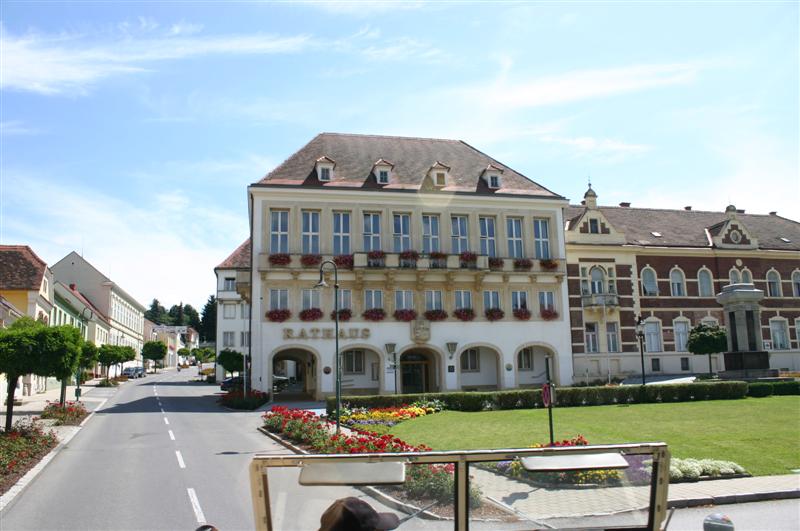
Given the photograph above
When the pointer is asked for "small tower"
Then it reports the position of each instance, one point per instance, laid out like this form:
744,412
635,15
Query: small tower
730,210
590,198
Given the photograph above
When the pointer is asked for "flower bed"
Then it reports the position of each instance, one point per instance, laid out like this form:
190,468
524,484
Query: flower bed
343,261
374,314
236,399
405,315
685,470
310,314
278,316
280,259
465,314
71,413
436,315
20,449
523,314
495,314
310,260
363,418
345,314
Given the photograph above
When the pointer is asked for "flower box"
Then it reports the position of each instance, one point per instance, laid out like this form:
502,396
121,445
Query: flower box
548,264
345,314
465,314
343,261
495,314
280,259
496,263
548,314
409,255
374,314
310,260
405,315
278,316
436,315
376,255
523,314
436,255
310,314
468,257
523,264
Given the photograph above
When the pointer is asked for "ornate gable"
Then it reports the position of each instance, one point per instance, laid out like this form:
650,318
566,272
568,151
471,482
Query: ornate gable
731,233
591,226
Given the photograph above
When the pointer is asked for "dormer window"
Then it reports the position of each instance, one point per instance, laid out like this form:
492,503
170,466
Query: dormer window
494,181
324,174
382,169
492,176
438,174
441,178
594,226
383,177
324,168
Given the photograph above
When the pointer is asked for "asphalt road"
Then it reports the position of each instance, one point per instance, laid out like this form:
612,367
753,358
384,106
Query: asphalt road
779,515
160,454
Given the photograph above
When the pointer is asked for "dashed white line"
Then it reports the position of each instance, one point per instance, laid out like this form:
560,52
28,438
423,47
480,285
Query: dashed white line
198,512
171,435
180,459
166,421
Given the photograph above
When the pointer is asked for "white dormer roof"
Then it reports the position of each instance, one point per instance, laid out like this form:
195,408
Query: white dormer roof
324,168
492,175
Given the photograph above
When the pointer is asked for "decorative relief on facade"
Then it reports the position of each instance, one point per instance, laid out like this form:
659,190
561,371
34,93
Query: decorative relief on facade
420,330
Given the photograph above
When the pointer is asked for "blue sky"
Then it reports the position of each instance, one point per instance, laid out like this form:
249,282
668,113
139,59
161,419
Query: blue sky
131,131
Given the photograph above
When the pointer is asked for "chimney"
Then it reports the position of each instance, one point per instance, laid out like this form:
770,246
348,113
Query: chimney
689,207
72,287
625,205
740,211
773,213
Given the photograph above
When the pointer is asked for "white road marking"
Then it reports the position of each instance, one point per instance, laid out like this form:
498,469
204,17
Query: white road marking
166,421
198,512
162,410
180,459
171,435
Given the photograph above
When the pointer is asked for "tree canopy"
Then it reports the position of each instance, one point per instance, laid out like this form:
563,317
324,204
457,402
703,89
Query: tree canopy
704,339
208,321
154,350
231,360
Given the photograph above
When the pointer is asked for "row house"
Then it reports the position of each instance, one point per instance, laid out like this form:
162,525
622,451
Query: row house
450,270
233,310
669,267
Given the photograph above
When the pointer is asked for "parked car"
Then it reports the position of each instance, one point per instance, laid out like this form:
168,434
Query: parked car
130,372
140,373
234,382
279,383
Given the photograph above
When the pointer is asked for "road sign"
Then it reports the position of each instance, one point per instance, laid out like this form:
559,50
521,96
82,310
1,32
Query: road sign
546,395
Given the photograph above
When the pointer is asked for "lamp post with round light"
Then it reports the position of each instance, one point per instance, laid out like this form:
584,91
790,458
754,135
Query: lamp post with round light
337,365
640,337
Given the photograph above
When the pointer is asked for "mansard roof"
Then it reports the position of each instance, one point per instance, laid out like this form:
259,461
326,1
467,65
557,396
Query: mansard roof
20,268
691,228
238,259
355,157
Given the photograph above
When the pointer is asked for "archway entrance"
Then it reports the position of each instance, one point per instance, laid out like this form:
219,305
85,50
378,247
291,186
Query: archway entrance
479,369
294,375
418,372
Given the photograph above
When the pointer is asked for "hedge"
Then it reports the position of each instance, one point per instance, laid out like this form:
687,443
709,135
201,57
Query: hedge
761,389
565,396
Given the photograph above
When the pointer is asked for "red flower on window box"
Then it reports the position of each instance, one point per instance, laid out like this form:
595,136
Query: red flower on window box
344,314
280,259
523,314
344,261
496,263
310,260
495,314
465,314
374,314
278,316
436,255
376,255
409,255
548,264
310,314
436,315
405,315
468,257
523,264
548,314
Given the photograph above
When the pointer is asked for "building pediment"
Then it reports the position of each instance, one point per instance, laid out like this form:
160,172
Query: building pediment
591,226
731,234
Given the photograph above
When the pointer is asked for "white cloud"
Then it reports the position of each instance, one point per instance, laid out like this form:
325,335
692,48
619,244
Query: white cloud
16,127
185,28
362,8
165,249
404,49
609,149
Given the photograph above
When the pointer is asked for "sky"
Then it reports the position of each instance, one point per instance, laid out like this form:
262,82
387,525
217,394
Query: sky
130,130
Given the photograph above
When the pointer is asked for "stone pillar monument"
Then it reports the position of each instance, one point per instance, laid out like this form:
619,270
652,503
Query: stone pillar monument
740,304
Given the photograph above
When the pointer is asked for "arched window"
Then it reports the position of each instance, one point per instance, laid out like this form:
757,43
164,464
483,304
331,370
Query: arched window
747,278
734,276
773,284
676,283
705,286
649,284
597,280
796,283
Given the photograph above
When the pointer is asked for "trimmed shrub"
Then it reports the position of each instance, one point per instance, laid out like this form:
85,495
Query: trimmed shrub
786,388
760,389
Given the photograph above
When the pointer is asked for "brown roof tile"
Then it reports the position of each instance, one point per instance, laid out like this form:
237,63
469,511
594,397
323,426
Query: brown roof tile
239,259
355,157
687,228
20,268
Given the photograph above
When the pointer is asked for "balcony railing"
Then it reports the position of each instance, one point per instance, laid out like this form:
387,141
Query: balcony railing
595,300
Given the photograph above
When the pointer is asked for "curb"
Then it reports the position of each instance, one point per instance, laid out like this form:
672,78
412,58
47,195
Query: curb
734,498
30,475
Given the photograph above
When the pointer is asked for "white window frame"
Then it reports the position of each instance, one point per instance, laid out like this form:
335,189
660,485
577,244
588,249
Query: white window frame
229,284
353,361
279,231
494,181
653,337
519,299
470,360
677,288
228,339
372,239
645,291
440,178
463,299
383,176
245,310
430,233
492,298
590,337
459,233
278,299
612,336
244,339
541,238
776,289
433,300
404,299
681,339
747,276
229,311
488,235
784,331
516,247
547,300
688,363
345,299
373,298
597,285
594,226
734,276
310,234
401,239
310,299
341,235
525,359
705,273
325,173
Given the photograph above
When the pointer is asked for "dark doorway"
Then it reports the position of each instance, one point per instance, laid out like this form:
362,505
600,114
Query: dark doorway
416,371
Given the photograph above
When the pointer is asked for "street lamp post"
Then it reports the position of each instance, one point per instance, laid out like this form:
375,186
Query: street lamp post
640,336
338,365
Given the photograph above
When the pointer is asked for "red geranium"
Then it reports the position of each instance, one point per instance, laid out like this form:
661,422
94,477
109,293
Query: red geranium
405,315
465,314
344,261
436,315
494,314
310,260
278,316
548,264
344,314
496,263
280,259
548,314
374,314
310,314
523,264
523,314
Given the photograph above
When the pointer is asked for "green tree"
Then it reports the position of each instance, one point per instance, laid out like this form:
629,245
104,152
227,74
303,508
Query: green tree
59,353
157,313
155,351
177,315
18,356
203,355
231,360
184,353
108,356
208,320
192,317
89,355
704,339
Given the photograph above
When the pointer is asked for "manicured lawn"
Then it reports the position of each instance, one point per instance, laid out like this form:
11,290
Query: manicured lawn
761,434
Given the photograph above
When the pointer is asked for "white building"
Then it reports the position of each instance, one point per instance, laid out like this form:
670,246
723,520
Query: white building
124,314
233,312
436,232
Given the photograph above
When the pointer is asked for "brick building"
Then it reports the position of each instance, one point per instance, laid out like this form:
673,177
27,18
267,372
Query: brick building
669,266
